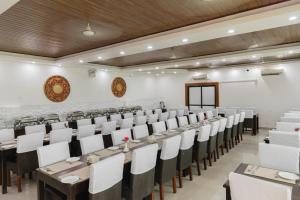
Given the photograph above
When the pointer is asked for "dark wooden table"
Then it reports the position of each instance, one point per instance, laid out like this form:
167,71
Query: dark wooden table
240,170
5,154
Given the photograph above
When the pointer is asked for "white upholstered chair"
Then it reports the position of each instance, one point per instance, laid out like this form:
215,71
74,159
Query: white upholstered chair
6,135
128,115
141,120
84,131
193,118
180,112
209,114
201,116
291,139
99,121
152,118
91,144
119,135
159,127
140,131
35,129
127,123
116,117
172,114
172,124
61,135
59,125
30,142
53,153
183,121
108,127
163,116
84,122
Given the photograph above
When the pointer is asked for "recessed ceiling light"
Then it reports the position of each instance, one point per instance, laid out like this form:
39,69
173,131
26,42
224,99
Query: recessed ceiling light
149,47
157,74
122,52
81,61
291,52
156,67
148,72
59,65
231,31
105,70
33,62
162,72
176,65
175,72
224,60
99,57
140,70
279,56
292,18
254,56
197,63
185,40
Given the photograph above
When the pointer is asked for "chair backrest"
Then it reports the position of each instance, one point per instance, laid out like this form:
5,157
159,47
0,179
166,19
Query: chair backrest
159,127
201,116
141,120
170,147
35,129
140,131
291,139
172,114
59,125
222,126
291,115
287,126
116,117
290,119
128,115
91,144
209,114
236,119
61,135
152,118
229,111
214,128
84,131
99,121
158,111
148,112
249,114
119,135
242,117
187,139
53,153
229,122
203,133
163,116
183,121
7,134
30,142
180,112
215,112
144,159
108,127
193,118
279,157
84,122
247,188
172,123
139,113
106,173
127,123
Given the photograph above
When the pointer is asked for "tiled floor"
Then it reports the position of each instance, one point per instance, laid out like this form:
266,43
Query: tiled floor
207,186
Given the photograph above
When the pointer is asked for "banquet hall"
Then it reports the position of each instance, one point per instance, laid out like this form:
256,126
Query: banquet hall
160,99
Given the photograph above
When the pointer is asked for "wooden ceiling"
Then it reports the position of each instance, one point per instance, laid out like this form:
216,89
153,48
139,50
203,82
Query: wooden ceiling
53,28
265,38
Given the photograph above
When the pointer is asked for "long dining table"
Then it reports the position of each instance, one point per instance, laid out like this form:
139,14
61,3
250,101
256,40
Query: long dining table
51,176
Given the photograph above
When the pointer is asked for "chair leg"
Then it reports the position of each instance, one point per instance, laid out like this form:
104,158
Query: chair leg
30,175
8,178
180,178
198,167
222,149
161,191
209,159
152,196
205,165
227,147
174,184
217,149
191,172
19,183
215,159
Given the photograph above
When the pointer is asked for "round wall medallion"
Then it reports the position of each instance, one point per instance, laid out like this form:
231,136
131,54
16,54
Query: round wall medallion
57,88
118,87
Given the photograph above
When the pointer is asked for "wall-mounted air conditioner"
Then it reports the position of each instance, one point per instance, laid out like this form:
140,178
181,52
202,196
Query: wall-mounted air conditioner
271,71
200,77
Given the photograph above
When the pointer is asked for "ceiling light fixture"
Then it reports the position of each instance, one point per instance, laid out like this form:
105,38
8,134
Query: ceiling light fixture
156,67
197,63
175,72
230,31
185,40
140,70
148,72
162,72
33,62
149,47
99,58
224,60
88,31
59,65
81,61
176,65
122,52
291,52
292,18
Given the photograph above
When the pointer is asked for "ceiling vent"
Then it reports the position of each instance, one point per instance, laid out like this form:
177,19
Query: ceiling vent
200,77
271,71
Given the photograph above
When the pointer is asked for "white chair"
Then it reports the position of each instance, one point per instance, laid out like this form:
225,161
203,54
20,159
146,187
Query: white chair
140,131
59,125
157,111
193,118
220,136
119,135
228,132
91,144
7,135
215,112
187,139
287,126
172,114
84,122
290,119
116,117
127,123
30,142
108,127
163,116
212,144
61,135
180,112
201,116
204,133
244,187
148,112
172,124
128,115
84,131
53,153
99,121
139,113
209,114
182,121
279,157
170,147
291,115
35,129
106,174
291,139
152,118
141,120
229,111
159,127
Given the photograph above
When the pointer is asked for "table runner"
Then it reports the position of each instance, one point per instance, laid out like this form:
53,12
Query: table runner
61,166
82,173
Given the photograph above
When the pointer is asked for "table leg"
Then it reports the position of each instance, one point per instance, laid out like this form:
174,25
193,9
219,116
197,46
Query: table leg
40,188
4,172
228,195
254,128
71,194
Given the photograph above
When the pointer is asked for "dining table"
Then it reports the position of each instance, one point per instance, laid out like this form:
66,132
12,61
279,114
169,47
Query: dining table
52,176
264,174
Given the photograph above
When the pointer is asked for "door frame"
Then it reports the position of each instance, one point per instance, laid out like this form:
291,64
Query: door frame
201,84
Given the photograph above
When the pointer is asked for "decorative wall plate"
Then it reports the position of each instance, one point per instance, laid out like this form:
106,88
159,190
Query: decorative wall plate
57,88
118,87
